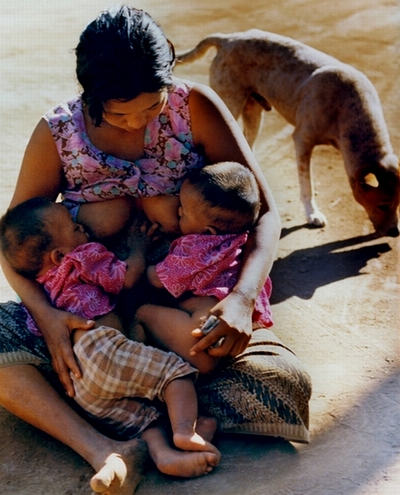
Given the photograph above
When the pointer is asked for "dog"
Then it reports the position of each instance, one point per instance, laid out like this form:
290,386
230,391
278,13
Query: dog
327,102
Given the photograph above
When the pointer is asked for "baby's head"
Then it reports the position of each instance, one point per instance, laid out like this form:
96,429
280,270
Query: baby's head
36,235
219,199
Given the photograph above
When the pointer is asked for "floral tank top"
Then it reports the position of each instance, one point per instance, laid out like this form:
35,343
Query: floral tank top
92,175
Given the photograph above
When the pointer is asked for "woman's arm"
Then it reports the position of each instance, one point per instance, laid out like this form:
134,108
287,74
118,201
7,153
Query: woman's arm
41,171
40,175
217,132
56,325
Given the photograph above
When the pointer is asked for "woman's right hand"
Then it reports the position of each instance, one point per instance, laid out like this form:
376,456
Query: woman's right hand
233,330
58,339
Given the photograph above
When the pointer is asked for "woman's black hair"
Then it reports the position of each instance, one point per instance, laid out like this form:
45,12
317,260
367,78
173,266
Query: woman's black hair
120,55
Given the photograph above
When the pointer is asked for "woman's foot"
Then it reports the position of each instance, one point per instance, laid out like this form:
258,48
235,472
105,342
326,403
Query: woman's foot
121,472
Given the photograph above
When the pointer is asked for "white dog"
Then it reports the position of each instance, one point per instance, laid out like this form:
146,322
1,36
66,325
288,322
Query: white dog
327,101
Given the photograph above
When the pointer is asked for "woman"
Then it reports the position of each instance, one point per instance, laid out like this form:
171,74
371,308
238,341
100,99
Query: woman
134,132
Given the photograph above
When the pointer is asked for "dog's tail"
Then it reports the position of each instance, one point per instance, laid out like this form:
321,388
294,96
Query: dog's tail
197,52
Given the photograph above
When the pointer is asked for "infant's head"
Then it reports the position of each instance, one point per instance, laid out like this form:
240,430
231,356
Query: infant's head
36,234
219,199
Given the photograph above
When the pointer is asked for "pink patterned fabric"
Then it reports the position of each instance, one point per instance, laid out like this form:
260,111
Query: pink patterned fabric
92,175
208,265
84,283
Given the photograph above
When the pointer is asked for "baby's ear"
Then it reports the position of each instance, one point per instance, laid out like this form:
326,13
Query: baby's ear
56,256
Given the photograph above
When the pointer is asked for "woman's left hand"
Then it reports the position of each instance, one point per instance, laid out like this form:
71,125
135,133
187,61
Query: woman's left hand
233,332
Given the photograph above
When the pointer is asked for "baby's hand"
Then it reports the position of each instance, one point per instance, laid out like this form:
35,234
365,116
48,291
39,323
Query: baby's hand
153,232
137,242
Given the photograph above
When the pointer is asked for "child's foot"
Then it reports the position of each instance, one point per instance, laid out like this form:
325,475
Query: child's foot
202,458
206,427
198,440
192,442
187,464
121,472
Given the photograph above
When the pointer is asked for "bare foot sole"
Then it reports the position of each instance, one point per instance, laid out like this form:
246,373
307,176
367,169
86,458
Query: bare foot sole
188,464
200,440
193,442
121,473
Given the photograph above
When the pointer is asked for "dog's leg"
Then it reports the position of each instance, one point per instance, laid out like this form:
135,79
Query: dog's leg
303,155
252,120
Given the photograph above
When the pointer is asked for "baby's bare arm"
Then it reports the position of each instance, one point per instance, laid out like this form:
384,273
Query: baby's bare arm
153,277
136,260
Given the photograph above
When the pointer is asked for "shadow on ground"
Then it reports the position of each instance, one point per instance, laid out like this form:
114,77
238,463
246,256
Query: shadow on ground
260,466
305,270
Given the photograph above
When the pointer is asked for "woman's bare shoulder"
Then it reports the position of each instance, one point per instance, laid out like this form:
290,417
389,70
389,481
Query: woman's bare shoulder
203,94
40,172
214,127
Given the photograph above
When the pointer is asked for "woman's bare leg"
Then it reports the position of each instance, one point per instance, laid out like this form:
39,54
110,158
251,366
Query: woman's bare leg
30,396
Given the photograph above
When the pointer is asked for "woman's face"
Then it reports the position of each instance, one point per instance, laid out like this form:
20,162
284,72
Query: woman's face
135,114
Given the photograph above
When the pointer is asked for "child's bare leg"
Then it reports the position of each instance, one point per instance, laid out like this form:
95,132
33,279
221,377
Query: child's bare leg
197,455
206,427
111,320
171,328
176,462
136,332
181,400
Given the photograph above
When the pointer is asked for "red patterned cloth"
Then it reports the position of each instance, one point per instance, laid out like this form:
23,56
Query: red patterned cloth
208,265
92,175
84,283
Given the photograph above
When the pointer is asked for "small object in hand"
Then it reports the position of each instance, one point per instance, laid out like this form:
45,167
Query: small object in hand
211,322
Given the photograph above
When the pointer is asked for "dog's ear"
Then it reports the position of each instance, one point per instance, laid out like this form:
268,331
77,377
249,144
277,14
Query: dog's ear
366,179
370,180
379,175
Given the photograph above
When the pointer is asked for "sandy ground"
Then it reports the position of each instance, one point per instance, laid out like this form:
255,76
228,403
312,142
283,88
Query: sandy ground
336,296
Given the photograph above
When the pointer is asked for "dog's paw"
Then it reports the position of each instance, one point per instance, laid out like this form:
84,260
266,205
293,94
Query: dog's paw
317,219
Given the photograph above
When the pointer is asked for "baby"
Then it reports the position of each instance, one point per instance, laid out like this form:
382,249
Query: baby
40,240
219,204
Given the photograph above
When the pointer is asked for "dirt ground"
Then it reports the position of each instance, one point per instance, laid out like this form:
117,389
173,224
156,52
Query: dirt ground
336,289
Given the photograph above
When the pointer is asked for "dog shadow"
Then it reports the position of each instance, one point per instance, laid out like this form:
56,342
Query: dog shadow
305,270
